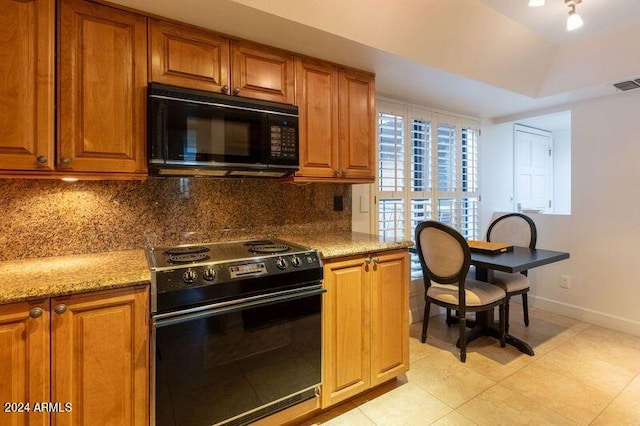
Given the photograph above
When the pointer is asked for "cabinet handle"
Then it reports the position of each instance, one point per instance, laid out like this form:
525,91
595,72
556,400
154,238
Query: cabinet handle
225,89
42,159
236,90
376,260
65,161
36,312
367,260
60,309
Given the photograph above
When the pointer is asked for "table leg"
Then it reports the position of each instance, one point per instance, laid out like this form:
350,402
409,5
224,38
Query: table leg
485,324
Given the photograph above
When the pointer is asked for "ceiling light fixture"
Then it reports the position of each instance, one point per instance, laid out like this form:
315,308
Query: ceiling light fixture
574,20
536,3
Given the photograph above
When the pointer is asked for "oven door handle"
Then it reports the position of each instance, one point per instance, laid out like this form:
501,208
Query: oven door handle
217,310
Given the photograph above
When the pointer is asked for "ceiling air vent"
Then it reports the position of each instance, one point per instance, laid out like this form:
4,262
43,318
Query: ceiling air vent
627,85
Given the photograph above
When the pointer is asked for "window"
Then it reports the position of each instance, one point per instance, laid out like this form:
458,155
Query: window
427,169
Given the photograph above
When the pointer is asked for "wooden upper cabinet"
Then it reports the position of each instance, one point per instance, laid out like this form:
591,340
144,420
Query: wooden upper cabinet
24,360
188,57
357,124
100,357
102,67
317,100
262,72
27,84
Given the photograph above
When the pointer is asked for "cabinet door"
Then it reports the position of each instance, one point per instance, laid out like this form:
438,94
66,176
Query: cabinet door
188,57
24,360
26,84
100,357
103,73
262,72
345,325
317,100
389,316
357,124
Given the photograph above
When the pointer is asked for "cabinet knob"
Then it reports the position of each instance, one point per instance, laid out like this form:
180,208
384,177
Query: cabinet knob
376,260
60,309
225,89
344,172
42,159
336,173
236,90
36,312
367,260
65,161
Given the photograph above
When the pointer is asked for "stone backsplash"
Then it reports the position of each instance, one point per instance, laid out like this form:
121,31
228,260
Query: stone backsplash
42,218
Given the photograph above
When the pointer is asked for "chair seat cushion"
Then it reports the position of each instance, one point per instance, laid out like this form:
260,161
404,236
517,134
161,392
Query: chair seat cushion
510,282
477,293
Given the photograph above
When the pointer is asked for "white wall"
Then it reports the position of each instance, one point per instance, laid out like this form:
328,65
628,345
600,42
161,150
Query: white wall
603,230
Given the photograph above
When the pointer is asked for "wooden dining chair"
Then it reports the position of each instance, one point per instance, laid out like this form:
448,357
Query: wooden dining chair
445,257
519,230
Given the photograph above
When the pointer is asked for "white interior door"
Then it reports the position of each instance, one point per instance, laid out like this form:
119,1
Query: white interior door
533,169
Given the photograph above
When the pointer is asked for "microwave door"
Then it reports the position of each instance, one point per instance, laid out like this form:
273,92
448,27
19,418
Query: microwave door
210,135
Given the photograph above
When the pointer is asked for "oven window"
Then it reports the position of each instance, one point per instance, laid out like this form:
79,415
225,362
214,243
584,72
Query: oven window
206,134
212,369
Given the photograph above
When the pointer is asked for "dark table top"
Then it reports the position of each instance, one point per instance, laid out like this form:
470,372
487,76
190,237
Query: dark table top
520,259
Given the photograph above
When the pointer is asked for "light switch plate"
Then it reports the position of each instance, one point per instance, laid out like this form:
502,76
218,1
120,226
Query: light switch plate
364,204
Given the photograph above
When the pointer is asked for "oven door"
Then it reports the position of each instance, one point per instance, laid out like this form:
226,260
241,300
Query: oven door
237,362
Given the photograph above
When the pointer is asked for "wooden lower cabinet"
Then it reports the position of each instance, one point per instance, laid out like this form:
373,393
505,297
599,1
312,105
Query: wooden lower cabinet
365,323
24,362
89,353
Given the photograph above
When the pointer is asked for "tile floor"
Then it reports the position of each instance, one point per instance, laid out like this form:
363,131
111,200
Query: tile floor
582,374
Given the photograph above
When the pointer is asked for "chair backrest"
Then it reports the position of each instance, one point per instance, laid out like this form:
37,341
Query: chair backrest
513,228
444,253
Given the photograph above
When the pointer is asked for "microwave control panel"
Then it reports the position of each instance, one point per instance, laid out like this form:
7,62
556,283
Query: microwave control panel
283,142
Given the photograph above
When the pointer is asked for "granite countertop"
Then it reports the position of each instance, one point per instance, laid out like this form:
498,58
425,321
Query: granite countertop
64,275
347,243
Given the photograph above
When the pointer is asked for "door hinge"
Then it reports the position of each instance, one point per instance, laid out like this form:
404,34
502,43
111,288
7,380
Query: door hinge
375,200
549,152
549,203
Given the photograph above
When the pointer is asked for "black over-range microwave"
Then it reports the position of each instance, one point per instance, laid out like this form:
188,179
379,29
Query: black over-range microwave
198,133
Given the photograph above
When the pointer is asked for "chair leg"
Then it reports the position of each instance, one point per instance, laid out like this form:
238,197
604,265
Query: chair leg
463,339
506,314
525,309
425,321
503,324
449,322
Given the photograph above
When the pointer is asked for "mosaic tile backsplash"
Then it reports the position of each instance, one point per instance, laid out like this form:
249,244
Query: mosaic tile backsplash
41,218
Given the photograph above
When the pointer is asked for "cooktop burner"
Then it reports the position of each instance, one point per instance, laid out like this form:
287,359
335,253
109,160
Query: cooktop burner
188,257
269,248
258,242
186,250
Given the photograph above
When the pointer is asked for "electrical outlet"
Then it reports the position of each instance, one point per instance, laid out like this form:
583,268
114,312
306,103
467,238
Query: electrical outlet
565,281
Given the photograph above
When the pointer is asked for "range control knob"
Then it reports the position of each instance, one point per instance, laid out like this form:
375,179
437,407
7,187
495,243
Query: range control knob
281,263
295,261
209,274
189,276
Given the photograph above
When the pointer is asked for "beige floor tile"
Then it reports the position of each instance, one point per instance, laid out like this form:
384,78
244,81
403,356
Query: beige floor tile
591,370
454,419
598,333
619,413
405,405
444,376
494,362
631,393
346,414
606,347
500,405
419,350
560,392
544,334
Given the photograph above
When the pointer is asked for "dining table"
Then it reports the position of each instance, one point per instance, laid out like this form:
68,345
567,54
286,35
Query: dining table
516,259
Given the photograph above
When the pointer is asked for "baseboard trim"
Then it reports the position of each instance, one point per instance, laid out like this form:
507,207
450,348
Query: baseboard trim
584,314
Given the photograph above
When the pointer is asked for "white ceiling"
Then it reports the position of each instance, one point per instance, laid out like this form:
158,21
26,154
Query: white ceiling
550,20
482,62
